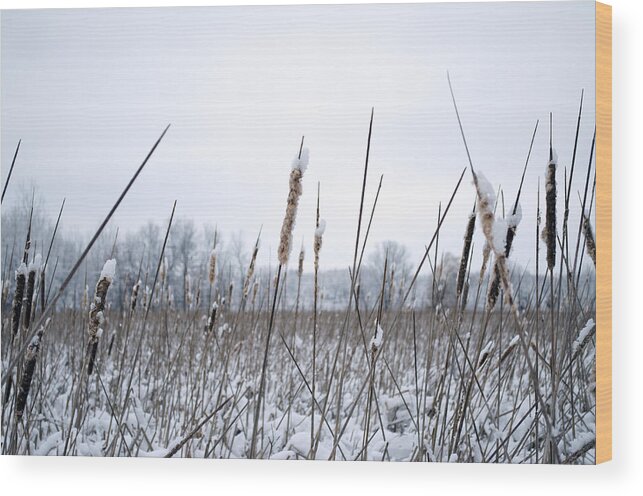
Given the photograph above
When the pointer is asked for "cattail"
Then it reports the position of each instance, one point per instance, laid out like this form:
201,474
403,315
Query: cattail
300,267
319,233
212,267
296,174
486,252
512,226
96,317
251,270
34,268
213,316
18,295
512,345
466,249
135,295
485,354
255,289
590,244
31,355
549,232
376,340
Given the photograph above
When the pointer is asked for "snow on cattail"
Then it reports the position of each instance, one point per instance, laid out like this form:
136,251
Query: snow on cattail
486,201
584,336
96,316
213,316
295,190
376,340
29,366
508,230
319,233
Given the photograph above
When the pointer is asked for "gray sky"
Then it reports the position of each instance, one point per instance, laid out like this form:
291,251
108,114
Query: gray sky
89,91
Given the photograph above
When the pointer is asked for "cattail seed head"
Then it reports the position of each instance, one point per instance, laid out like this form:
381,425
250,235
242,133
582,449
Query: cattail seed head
319,233
251,270
466,249
212,267
96,316
295,190
549,232
590,243
300,267
18,295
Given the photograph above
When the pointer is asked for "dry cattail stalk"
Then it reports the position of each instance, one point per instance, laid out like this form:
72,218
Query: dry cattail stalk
96,317
18,295
31,355
34,268
590,244
296,174
466,248
549,232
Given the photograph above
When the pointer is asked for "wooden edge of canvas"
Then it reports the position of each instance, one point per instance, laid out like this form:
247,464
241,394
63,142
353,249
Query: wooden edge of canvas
603,232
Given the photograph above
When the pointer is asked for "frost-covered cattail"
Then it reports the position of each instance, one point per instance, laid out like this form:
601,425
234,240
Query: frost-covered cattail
494,232
31,355
96,316
549,232
213,316
32,272
512,226
466,249
299,166
590,244
376,340
18,295
319,233
212,267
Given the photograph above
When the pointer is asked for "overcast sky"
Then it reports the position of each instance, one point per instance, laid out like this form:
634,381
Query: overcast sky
89,91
